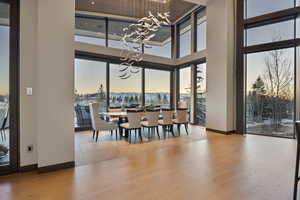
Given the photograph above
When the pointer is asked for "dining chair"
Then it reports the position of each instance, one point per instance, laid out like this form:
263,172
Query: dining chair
151,122
134,123
167,121
183,105
99,124
181,118
115,109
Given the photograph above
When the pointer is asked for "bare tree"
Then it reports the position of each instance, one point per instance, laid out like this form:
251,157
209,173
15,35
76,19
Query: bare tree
277,78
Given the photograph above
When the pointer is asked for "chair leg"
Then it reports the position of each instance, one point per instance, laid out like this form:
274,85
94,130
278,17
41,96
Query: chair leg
186,128
129,136
164,131
140,134
111,133
94,134
152,132
116,134
178,128
134,135
172,130
157,132
148,133
97,135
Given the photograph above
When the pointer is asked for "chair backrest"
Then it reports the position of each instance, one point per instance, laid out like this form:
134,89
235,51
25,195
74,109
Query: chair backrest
115,109
83,115
183,105
182,115
152,117
167,115
134,118
97,122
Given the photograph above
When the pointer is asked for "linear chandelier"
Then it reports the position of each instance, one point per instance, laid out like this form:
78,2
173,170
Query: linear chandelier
135,39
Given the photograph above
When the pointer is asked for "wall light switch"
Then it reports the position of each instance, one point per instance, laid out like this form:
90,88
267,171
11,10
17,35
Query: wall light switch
29,91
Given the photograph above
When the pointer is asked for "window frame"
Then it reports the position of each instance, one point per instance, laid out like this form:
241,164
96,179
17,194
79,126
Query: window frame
242,50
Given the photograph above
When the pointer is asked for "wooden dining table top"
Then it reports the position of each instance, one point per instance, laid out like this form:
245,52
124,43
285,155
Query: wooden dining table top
120,114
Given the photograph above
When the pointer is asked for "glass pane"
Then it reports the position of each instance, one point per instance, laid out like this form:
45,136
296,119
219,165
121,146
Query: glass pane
201,95
270,33
4,84
185,85
270,93
185,38
115,33
90,87
160,45
157,89
201,30
91,31
125,92
260,7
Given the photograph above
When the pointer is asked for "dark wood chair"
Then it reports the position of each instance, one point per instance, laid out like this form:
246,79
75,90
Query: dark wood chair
297,178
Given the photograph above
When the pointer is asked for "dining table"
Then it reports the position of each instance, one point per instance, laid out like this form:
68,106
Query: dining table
122,118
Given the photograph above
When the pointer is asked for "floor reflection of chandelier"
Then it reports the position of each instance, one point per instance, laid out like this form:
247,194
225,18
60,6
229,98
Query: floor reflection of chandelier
135,39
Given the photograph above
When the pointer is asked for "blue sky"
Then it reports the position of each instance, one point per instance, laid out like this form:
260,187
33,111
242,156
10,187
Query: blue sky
4,59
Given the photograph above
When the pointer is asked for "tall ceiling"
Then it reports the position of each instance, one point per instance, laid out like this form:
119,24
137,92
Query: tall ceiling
136,8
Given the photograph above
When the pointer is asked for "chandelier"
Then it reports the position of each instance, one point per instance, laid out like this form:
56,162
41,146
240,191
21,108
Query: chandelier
135,39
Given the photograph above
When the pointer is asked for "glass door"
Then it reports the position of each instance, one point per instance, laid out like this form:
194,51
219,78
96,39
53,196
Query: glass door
9,98
270,99
4,84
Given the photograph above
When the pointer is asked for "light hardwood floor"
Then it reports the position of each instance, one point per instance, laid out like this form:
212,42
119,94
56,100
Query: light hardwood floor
201,166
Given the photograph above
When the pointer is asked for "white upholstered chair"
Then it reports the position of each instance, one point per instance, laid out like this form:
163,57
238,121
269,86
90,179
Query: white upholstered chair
183,105
151,123
167,121
181,119
134,123
99,124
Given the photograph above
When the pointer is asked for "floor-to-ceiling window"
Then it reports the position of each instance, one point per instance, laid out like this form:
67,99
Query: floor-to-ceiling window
157,88
201,95
90,87
270,93
201,29
9,87
115,33
125,91
254,8
267,58
185,86
90,30
4,84
185,37
160,45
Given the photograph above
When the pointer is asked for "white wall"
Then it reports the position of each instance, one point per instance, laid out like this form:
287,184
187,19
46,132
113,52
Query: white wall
220,65
28,136
55,81
47,65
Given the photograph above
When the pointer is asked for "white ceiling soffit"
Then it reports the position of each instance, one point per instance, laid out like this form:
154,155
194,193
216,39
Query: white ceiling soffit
199,2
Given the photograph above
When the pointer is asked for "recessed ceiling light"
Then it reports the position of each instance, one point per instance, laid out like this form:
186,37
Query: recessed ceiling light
93,2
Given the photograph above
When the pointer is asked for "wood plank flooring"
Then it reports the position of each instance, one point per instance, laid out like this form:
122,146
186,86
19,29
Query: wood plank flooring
206,166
